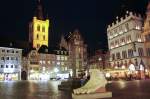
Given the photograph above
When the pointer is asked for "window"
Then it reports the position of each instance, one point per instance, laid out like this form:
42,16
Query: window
12,51
58,57
43,29
58,63
120,30
127,26
43,37
130,53
140,51
65,57
7,51
7,58
16,66
57,52
16,58
2,58
12,58
3,50
124,54
128,38
62,63
11,66
16,51
2,66
148,51
38,28
147,37
62,57
122,41
37,36
118,55
6,66
113,56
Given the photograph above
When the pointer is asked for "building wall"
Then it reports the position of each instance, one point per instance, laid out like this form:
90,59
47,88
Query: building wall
77,52
125,36
10,63
39,30
146,35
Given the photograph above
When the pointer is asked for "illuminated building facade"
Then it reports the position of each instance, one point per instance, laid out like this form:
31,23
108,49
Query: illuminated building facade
39,29
146,34
47,63
77,52
126,43
10,63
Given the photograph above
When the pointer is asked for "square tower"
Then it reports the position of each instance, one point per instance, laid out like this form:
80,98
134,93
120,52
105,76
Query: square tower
39,29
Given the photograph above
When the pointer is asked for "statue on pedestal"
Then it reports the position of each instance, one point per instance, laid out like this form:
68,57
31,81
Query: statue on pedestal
96,84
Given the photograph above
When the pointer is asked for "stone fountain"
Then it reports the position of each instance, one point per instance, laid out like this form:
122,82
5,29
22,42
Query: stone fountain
94,88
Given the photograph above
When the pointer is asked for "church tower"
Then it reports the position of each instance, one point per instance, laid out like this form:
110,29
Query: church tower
39,28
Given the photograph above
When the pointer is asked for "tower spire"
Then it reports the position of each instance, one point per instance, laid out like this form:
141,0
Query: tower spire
39,10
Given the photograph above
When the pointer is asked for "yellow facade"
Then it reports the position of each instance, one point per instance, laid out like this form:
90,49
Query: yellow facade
40,30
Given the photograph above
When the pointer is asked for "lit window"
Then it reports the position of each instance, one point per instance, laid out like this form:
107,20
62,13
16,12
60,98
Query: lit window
49,62
43,62
62,63
40,62
58,63
58,57
62,58
65,57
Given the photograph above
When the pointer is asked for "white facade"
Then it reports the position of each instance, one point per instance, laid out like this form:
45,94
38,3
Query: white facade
10,63
126,42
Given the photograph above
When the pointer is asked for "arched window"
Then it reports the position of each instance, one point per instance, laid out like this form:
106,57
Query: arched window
38,27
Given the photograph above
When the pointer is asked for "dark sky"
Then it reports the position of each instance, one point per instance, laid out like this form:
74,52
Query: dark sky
90,16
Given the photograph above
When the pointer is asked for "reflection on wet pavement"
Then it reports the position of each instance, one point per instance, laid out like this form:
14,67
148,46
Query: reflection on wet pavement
31,90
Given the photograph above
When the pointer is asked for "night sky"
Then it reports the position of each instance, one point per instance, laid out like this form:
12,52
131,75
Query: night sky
91,17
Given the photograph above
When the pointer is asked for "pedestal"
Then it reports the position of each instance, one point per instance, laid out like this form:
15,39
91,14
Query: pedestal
92,95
